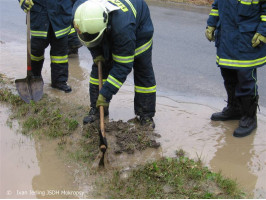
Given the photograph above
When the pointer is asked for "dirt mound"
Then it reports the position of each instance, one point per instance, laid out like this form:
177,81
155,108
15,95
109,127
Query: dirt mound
123,136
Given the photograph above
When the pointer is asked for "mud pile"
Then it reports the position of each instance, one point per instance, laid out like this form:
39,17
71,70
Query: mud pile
123,137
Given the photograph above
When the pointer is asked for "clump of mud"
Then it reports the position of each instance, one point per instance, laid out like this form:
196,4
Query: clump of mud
123,136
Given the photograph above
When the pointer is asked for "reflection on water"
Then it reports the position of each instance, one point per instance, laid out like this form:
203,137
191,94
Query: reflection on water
18,161
54,178
31,169
234,156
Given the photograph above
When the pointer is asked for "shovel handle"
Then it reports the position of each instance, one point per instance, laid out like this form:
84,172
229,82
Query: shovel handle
28,45
101,107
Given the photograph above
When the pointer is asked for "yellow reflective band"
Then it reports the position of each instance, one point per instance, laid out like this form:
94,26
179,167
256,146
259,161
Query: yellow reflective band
63,31
263,18
145,89
114,81
214,12
138,51
95,81
36,58
143,48
240,63
248,2
217,59
38,33
72,31
59,59
132,8
119,4
123,59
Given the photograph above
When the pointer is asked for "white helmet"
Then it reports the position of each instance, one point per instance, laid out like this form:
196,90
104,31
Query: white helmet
90,21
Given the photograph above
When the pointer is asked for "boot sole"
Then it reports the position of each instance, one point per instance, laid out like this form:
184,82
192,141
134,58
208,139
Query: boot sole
228,119
66,91
240,136
235,134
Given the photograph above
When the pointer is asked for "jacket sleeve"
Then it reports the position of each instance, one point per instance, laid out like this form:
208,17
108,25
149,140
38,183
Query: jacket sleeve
123,50
96,51
262,26
214,15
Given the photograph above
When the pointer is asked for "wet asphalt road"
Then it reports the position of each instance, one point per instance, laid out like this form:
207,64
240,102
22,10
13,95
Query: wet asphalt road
184,61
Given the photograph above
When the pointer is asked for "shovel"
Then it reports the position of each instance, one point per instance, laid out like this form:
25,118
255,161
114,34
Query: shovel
31,87
103,141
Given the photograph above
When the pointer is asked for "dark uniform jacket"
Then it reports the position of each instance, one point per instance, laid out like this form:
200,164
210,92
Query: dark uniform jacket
236,22
129,34
56,13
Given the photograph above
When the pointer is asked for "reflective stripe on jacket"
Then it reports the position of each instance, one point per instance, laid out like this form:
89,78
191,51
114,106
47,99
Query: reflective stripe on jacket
56,13
236,22
129,34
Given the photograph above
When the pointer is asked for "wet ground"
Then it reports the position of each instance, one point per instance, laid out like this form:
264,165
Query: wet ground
183,122
29,168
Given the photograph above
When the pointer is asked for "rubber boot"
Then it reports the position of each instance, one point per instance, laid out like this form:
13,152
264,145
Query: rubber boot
233,109
248,121
94,114
62,86
147,121
73,50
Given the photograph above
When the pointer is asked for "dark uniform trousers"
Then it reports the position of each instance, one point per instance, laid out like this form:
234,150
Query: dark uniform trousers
243,80
58,56
144,102
73,41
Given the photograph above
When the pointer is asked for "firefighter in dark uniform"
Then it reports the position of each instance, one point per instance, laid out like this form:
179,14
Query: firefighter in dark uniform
238,28
50,24
73,41
119,33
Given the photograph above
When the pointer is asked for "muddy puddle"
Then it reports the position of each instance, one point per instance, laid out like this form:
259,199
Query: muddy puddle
31,169
182,124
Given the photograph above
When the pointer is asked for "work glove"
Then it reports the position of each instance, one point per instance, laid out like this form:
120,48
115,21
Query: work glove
98,59
26,5
209,33
257,39
101,101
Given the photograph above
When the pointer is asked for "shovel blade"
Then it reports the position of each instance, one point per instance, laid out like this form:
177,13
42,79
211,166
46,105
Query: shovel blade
36,85
30,88
23,89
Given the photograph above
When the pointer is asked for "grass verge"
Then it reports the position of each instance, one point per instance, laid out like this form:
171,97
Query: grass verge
173,178
41,118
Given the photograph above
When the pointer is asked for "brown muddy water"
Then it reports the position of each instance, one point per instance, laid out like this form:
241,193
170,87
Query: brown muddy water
31,169
28,165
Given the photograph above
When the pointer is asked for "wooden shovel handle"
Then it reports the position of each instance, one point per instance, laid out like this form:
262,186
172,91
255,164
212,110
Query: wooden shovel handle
101,107
28,44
